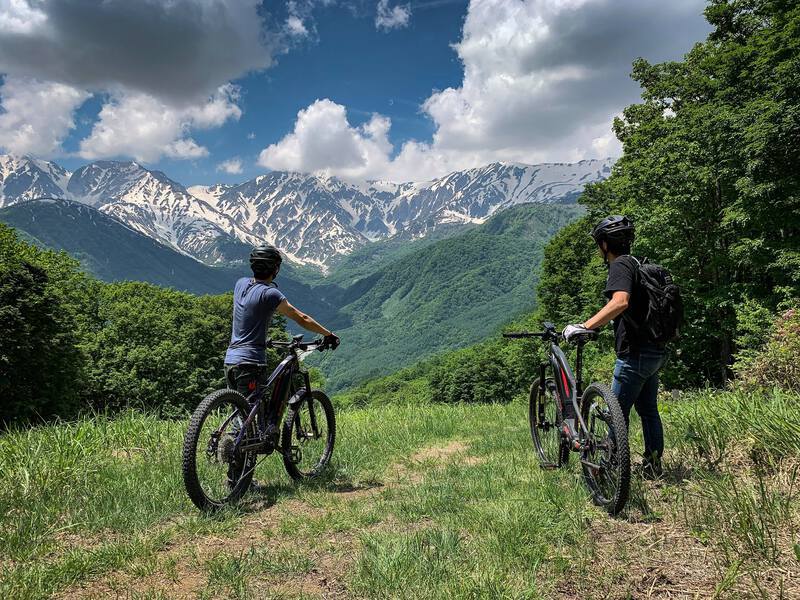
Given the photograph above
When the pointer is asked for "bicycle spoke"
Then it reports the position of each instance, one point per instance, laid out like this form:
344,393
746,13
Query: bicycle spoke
308,447
219,466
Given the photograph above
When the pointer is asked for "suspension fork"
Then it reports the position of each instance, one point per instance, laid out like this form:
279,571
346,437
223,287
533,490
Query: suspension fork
579,387
312,415
542,389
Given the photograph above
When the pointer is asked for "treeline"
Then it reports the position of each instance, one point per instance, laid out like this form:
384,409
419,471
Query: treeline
70,343
711,175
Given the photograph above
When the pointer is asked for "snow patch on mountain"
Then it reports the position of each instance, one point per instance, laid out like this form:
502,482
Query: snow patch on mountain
312,219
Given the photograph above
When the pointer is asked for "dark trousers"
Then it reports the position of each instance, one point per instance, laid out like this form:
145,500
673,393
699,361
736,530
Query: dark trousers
245,378
636,385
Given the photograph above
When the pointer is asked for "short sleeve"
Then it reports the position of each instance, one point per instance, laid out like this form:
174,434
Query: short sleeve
621,276
271,298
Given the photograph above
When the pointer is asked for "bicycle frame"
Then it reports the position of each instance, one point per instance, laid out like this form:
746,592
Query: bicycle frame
568,385
282,380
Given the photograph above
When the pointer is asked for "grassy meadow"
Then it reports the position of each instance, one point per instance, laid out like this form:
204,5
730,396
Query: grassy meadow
435,501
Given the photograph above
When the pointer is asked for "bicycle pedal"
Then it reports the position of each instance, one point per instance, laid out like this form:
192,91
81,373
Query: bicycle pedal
295,455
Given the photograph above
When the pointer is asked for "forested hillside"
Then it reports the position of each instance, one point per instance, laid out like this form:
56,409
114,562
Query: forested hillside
441,296
457,284
113,252
71,343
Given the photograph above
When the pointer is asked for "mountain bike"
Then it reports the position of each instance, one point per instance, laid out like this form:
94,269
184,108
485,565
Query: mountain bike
228,431
600,437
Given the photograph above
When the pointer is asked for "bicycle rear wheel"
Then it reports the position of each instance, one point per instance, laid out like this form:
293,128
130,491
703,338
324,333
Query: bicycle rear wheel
214,472
545,417
309,431
605,458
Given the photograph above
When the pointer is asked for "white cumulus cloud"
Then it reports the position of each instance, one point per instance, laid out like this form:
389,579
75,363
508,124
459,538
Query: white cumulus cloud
296,27
145,128
36,115
542,81
394,17
178,51
156,62
324,141
232,166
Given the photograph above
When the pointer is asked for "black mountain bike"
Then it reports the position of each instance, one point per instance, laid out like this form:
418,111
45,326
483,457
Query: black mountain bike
228,431
602,436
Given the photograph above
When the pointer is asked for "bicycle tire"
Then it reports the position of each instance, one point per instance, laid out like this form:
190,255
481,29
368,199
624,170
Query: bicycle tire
617,462
191,479
550,446
290,425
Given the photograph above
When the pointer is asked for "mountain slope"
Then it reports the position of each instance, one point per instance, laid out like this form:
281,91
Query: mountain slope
315,220
158,207
410,300
446,295
113,251
23,178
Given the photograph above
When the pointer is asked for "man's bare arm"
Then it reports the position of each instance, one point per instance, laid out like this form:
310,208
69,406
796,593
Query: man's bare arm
615,307
302,319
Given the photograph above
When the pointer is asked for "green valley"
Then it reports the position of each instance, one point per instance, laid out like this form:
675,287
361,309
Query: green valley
393,302
445,295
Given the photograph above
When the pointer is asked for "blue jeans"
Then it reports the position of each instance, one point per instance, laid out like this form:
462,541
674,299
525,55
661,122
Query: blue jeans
636,385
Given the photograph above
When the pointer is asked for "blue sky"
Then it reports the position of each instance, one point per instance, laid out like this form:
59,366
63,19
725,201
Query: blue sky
210,91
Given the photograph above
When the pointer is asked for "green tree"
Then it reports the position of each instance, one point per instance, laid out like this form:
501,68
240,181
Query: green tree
40,361
710,174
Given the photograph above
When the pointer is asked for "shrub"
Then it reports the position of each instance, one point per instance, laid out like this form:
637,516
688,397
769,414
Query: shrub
778,363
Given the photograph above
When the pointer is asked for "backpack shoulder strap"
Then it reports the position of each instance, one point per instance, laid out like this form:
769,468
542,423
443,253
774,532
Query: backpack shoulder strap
636,260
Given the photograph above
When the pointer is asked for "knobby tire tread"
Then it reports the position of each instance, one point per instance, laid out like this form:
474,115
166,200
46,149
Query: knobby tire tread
623,447
562,459
286,437
189,464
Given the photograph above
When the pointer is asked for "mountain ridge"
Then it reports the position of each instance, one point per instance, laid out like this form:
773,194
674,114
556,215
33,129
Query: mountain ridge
313,219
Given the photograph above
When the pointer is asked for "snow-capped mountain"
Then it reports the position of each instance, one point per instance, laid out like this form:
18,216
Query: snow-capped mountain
151,203
312,218
23,178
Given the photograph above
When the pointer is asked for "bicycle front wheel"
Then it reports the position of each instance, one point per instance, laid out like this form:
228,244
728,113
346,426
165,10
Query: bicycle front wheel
544,417
215,473
309,431
605,459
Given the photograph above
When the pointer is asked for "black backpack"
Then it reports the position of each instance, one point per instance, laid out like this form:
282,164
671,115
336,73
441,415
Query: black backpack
664,315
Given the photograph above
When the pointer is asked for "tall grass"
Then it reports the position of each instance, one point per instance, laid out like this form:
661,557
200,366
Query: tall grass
79,500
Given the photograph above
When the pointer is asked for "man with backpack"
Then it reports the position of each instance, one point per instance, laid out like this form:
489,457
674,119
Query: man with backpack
645,307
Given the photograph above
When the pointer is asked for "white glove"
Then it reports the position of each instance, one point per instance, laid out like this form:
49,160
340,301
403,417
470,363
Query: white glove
572,330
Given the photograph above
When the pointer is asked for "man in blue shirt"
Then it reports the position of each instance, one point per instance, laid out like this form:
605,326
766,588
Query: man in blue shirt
255,300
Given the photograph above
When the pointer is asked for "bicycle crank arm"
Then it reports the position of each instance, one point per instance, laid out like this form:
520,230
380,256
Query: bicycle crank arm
591,465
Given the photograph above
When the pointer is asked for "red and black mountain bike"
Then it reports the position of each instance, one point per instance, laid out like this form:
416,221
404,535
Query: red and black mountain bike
600,437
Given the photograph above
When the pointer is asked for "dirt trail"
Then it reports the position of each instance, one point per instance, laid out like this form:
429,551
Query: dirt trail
181,571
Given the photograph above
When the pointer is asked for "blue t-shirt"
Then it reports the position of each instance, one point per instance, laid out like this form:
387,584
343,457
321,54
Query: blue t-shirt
254,303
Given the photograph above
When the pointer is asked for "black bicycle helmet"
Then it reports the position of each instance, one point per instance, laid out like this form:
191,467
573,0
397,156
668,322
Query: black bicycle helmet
616,228
265,258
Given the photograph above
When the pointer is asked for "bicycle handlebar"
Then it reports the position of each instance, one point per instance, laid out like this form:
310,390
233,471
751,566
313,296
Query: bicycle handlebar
296,343
550,333
525,334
